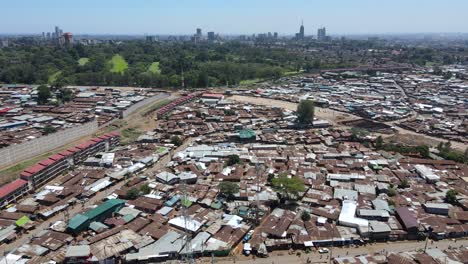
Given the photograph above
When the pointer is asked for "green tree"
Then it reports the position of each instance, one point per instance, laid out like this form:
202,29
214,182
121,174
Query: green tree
228,189
305,112
66,94
233,160
358,133
451,196
43,94
391,192
404,184
379,142
289,188
48,129
305,216
145,189
176,140
132,194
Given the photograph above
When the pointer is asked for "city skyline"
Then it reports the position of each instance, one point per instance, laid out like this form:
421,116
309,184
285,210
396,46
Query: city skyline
241,17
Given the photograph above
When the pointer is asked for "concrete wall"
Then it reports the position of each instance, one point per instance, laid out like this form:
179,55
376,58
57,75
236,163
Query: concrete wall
38,146
16,153
143,103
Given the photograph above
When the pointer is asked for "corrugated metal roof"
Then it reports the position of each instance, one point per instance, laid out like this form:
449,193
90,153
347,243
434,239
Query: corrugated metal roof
103,208
77,221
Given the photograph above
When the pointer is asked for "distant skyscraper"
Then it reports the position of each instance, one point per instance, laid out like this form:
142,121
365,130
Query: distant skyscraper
275,35
300,35
68,38
150,39
198,36
211,36
301,30
322,34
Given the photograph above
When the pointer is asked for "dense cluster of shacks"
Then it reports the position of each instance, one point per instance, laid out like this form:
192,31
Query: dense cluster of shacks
22,119
441,105
422,101
177,209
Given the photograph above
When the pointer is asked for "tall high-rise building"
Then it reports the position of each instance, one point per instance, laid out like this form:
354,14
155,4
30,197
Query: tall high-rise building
322,34
198,36
275,35
301,30
68,38
300,35
150,38
211,36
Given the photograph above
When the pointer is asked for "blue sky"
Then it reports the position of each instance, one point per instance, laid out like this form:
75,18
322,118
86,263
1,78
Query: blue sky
233,16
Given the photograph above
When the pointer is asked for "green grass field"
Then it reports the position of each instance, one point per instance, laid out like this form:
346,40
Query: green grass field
250,81
154,68
53,77
118,63
83,61
11,173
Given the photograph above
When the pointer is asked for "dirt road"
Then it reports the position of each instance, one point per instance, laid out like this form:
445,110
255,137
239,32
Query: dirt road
315,257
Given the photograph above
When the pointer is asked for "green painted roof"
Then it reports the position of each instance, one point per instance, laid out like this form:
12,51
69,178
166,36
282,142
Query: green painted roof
128,218
246,133
216,205
22,221
77,221
103,208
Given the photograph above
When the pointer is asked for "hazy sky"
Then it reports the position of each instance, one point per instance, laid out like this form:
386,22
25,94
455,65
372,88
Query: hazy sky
233,16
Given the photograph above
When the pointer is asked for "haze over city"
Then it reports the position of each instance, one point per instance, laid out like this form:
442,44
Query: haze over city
234,17
258,131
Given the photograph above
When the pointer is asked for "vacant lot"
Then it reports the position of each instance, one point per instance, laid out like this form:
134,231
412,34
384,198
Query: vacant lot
321,113
118,64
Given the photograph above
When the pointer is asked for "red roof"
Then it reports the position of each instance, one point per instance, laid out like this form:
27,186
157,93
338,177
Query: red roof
97,140
4,110
73,149
35,169
56,157
85,145
7,189
114,134
25,174
65,153
47,162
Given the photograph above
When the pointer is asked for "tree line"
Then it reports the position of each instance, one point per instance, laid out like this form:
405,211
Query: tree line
180,64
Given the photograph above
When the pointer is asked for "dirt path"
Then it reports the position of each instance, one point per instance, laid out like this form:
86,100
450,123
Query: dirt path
278,257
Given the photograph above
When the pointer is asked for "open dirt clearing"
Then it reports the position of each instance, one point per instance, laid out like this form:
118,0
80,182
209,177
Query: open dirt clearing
321,113
402,135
